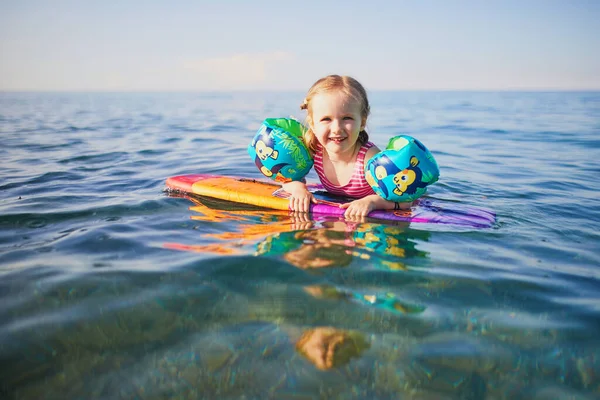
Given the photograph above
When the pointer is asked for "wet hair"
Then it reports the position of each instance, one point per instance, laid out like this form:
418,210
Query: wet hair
341,84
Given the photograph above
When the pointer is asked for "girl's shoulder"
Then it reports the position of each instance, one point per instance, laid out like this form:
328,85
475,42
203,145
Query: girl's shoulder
372,149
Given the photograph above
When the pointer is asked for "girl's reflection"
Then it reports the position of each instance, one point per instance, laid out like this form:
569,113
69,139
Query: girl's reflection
334,243
322,247
317,243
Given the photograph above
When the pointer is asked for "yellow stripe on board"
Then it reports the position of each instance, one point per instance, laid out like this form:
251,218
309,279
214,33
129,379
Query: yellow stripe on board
239,191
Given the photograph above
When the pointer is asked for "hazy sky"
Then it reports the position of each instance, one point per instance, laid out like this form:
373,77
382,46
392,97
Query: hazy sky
226,45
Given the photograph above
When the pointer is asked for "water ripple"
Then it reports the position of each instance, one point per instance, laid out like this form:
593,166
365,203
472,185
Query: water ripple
108,281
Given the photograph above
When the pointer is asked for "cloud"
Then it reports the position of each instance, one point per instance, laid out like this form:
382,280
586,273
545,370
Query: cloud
242,71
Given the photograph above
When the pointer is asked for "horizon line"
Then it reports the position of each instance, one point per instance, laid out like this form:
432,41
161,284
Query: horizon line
525,89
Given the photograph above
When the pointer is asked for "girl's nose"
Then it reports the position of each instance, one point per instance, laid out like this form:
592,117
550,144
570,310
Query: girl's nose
335,126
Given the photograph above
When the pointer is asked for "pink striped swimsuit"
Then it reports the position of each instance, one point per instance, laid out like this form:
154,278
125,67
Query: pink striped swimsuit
357,187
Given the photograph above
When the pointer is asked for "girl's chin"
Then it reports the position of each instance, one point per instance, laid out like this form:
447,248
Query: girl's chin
336,145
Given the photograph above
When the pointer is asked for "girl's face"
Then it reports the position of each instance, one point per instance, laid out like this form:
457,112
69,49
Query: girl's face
336,122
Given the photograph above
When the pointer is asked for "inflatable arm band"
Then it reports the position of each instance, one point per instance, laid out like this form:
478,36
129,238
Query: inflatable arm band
279,151
403,170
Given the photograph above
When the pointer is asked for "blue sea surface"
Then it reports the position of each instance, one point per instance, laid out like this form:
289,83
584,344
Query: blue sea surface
112,288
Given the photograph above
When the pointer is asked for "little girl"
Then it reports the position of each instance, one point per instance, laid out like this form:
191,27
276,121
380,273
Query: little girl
337,109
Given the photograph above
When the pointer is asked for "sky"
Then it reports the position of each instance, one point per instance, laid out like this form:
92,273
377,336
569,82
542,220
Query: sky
224,45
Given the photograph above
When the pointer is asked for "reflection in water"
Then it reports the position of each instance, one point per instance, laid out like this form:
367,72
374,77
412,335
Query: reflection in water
313,242
320,247
250,225
304,241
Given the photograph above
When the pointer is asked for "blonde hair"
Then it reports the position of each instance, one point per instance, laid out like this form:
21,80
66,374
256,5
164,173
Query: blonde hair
344,84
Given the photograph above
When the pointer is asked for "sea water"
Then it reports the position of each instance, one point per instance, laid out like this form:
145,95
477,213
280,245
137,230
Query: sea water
111,288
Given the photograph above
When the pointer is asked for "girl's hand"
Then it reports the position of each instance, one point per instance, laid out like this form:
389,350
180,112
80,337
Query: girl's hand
359,208
300,197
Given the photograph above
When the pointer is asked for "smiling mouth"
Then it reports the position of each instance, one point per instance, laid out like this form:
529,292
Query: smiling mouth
337,140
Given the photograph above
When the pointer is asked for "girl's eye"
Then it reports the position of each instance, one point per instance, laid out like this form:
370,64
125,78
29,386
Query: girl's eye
325,119
348,118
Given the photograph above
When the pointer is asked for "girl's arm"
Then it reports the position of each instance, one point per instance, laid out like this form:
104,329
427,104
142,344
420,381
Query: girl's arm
362,207
300,197
380,203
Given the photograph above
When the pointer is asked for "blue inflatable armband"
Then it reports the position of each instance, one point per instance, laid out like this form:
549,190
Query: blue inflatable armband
279,151
403,170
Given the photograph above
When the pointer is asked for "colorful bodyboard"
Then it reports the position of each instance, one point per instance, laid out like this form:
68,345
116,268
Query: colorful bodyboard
271,195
